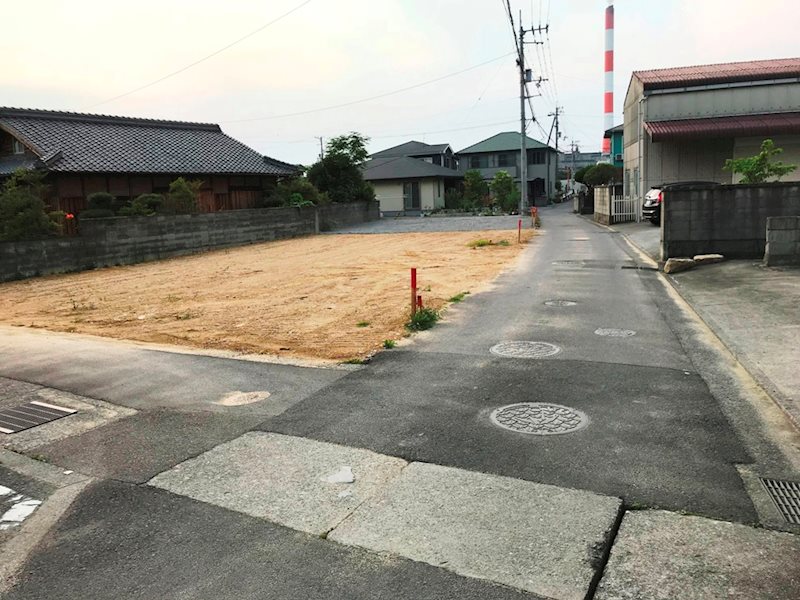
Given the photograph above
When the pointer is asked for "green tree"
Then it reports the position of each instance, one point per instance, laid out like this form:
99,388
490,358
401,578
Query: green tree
290,191
352,145
182,197
761,167
475,188
602,174
505,191
580,174
339,175
22,209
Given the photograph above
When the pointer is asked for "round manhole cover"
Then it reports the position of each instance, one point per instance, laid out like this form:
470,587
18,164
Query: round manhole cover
560,303
525,349
539,418
614,332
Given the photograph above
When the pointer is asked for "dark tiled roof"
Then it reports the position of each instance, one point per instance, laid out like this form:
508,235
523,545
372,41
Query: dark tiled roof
753,70
9,164
73,142
618,129
716,127
404,167
412,148
504,142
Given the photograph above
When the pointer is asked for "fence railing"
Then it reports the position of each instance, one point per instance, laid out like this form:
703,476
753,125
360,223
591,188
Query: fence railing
625,210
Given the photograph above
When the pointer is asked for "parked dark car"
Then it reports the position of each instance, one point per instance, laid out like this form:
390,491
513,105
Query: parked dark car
651,209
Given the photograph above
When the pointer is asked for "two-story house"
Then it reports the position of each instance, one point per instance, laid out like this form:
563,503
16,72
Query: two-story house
413,177
501,152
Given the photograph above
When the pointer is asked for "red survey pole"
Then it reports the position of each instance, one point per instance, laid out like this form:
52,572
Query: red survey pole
413,292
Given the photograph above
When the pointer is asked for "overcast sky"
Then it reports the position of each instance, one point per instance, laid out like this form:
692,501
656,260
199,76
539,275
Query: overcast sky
75,55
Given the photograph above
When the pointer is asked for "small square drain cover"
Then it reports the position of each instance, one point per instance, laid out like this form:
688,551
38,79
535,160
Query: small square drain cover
25,416
786,495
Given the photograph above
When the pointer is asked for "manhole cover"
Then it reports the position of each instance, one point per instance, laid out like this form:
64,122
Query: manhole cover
560,303
786,496
525,349
32,414
614,332
539,418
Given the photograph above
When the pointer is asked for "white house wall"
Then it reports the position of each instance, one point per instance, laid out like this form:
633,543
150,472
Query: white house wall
390,195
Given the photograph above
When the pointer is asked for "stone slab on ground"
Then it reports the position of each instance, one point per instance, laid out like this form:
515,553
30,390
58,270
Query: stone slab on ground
534,537
283,479
661,555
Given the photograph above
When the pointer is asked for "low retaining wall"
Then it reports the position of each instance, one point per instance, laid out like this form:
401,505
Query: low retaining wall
602,204
783,241
130,240
726,219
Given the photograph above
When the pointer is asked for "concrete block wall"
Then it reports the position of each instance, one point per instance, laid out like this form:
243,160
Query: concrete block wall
602,204
783,241
130,240
725,219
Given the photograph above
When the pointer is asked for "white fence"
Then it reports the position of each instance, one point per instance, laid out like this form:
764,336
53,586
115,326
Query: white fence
624,210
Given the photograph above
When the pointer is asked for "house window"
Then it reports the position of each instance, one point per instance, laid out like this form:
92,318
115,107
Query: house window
17,146
479,162
506,160
535,157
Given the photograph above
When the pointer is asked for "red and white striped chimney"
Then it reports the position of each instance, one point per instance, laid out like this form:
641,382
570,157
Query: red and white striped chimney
608,97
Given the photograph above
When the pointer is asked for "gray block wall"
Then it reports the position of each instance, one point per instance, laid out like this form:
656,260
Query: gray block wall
130,240
726,219
783,241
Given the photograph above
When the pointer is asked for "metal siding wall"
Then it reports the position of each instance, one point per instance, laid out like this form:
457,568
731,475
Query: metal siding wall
722,102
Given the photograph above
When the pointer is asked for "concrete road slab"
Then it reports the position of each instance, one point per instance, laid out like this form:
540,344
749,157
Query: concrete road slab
139,447
295,482
661,556
538,538
137,542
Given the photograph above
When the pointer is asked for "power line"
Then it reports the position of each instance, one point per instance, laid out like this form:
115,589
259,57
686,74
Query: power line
370,98
205,58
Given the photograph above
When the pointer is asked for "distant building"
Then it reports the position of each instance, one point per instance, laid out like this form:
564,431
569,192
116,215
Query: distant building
615,134
412,178
501,152
682,124
577,160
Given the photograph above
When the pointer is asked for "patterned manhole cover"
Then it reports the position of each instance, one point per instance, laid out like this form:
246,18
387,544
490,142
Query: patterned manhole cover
560,303
614,332
525,349
539,418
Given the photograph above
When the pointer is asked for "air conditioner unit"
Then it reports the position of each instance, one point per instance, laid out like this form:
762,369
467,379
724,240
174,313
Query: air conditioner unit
618,158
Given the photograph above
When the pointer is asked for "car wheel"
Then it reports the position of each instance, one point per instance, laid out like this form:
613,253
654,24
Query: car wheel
655,222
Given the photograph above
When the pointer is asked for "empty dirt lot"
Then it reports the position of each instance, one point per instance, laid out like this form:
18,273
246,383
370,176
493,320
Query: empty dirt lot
323,297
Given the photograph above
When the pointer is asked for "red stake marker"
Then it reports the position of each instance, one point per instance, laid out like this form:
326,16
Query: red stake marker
519,231
413,292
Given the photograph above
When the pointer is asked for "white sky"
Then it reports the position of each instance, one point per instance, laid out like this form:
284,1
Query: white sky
71,55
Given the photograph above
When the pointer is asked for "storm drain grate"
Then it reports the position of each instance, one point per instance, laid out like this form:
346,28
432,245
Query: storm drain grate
32,414
786,496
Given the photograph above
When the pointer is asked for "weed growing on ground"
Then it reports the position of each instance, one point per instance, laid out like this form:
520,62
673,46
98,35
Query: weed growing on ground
423,319
354,361
362,324
185,316
389,344
503,243
458,297
484,242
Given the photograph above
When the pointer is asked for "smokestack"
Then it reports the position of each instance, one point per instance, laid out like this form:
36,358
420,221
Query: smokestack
608,97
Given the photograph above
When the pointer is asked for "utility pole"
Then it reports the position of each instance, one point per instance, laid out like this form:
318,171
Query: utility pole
556,124
321,147
524,77
574,148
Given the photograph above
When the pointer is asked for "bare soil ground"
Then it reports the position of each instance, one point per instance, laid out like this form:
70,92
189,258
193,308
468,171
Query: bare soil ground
303,297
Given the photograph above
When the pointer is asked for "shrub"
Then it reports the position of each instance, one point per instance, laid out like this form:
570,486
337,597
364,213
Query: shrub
341,179
100,201
761,167
504,191
143,206
453,199
297,191
22,210
182,197
475,189
424,318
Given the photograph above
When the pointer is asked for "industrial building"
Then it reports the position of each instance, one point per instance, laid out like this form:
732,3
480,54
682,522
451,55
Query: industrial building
682,124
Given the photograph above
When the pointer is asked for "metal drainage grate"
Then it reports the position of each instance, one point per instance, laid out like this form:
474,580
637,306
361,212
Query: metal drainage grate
32,414
610,332
539,418
560,303
525,349
786,496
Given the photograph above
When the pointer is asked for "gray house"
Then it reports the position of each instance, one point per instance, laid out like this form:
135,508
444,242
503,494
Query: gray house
501,152
412,178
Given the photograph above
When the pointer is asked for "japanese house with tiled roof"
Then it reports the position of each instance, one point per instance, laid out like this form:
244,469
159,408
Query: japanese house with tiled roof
83,154
681,124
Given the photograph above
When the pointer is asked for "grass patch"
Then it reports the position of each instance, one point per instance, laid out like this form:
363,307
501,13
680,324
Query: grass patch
355,361
423,319
483,242
362,324
503,243
458,297
389,344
